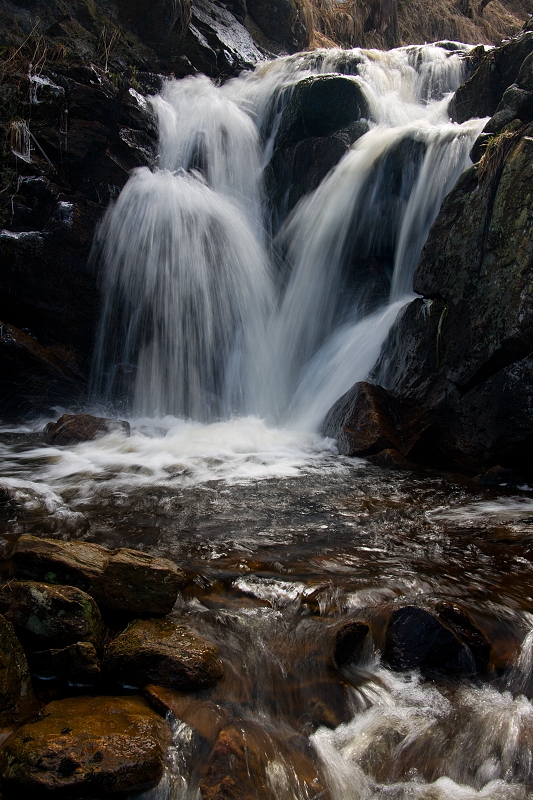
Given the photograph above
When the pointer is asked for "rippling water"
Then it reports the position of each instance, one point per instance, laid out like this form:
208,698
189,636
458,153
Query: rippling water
283,540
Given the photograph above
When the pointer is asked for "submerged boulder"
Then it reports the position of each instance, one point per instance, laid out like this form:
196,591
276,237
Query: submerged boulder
247,763
87,746
160,651
17,700
349,642
74,428
203,716
47,616
443,642
119,580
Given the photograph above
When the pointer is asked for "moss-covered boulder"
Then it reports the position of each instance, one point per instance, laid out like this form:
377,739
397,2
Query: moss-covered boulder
121,580
17,700
86,746
160,651
47,616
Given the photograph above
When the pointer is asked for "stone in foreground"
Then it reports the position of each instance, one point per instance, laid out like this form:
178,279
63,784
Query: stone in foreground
17,700
47,616
74,428
120,580
86,746
160,651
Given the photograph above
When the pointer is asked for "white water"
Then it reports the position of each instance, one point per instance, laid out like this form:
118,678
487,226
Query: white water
200,318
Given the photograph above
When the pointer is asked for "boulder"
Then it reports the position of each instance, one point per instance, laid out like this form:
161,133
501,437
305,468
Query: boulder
120,580
319,106
160,25
17,700
78,664
47,616
499,68
87,746
74,428
445,643
163,652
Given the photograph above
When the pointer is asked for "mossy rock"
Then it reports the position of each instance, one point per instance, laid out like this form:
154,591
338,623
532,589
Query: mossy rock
160,651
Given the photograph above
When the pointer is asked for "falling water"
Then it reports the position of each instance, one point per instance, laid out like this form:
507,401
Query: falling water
209,314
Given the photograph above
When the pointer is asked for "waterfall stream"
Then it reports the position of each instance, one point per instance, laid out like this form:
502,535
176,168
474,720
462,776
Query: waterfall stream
207,314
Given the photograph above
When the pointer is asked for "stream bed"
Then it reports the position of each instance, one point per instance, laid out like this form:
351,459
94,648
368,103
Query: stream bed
283,541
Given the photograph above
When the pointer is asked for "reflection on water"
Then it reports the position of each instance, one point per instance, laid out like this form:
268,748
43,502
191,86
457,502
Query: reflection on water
282,542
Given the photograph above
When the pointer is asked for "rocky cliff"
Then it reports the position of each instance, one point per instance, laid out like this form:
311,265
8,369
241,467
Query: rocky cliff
455,377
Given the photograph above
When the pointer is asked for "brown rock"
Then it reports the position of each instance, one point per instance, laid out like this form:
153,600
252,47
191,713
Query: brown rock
87,745
389,459
205,717
160,651
78,664
121,580
74,428
51,616
17,700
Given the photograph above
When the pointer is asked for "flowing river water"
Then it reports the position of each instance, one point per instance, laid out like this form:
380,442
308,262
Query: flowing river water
227,332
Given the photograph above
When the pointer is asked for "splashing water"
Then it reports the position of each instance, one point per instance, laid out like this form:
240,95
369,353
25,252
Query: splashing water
200,318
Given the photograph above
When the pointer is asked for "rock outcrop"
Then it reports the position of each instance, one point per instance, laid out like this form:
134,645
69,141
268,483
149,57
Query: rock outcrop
121,580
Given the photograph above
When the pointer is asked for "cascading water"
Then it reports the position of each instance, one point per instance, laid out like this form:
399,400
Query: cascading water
205,315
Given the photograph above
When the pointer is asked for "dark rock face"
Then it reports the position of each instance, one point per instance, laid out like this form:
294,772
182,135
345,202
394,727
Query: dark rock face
462,356
74,428
87,745
499,68
284,22
17,700
417,639
120,580
78,664
159,651
161,24
51,616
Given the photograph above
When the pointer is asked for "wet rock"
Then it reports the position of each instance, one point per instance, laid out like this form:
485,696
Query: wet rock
365,420
160,25
160,651
216,43
50,616
87,746
435,645
17,700
319,106
247,763
389,459
499,68
297,169
203,716
78,664
461,355
500,477
285,22
33,375
120,580
74,428
349,643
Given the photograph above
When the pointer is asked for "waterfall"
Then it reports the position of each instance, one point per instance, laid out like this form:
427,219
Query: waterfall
211,309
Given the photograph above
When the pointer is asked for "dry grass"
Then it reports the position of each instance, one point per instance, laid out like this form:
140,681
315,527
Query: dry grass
362,22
